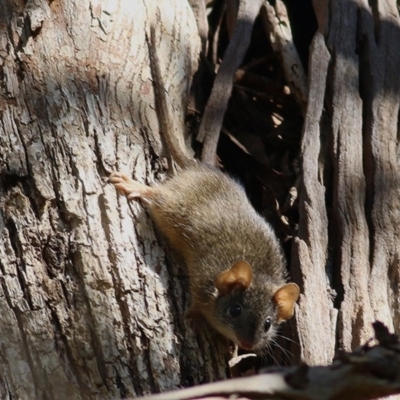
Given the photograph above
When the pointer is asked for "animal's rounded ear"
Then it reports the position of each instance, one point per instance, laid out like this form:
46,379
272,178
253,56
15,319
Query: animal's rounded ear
285,298
238,277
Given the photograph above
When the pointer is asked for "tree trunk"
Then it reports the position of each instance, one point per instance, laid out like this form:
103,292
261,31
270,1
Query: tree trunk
347,250
89,306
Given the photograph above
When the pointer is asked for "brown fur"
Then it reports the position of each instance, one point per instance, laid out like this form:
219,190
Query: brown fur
209,222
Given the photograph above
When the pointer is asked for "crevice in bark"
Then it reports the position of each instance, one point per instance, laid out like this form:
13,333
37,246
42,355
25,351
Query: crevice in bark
329,153
335,252
154,158
178,303
65,294
36,201
304,25
75,257
326,171
53,254
37,376
20,264
366,90
338,332
135,374
119,297
98,162
27,33
77,374
334,255
58,203
215,19
147,359
9,181
373,6
120,385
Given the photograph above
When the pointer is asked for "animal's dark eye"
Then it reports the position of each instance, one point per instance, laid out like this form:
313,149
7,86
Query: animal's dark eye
267,324
235,310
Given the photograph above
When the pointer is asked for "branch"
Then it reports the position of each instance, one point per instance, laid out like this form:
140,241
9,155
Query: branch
200,14
370,372
217,104
277,24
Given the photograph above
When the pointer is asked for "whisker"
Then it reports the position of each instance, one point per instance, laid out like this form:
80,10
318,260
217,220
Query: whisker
286,338
268,353
285,352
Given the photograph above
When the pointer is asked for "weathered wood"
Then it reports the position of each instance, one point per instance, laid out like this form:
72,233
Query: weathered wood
316,322
381,95
349,232
278,27
367,373
200,13
89,308
347,250
214,112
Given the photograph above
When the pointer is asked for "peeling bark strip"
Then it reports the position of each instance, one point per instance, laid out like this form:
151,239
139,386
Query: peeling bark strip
316,322
278,28
367,373
349,224
218,102
381,89
347,251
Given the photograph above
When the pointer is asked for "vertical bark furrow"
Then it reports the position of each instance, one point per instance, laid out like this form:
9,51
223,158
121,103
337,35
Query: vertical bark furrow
88,278
310,251
349,182
383,133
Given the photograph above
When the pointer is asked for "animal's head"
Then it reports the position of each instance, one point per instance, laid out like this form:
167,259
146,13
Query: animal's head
248,311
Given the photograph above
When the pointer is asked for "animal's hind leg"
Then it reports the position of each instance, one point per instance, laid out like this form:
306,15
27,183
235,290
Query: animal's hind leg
131,188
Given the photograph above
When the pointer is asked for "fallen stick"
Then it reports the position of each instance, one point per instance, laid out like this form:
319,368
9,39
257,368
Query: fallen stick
370,372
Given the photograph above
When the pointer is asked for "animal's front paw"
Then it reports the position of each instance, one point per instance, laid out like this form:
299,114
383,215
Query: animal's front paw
131,188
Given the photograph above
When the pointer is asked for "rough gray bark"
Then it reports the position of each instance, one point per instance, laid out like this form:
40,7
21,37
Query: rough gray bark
347,249
88,307
311,245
